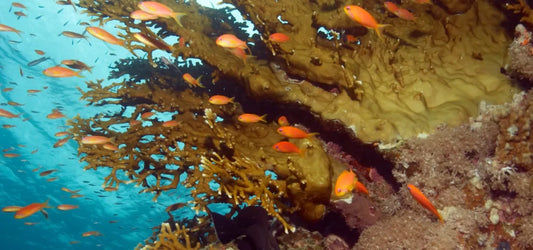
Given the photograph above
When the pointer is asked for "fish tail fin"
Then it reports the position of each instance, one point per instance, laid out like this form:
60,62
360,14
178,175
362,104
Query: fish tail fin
18,32
361,188
89,69
78,74
262,118
441,220
312,134
177,16
45,204
232,99
379,28
198,81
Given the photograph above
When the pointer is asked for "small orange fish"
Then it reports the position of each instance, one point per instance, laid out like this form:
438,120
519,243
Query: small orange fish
405,14
70,191
283,121
19,13
31,209
287,147
95,139
351,39
142,15
66,207
30,223
251,118
230,41
56,114
152,42
134,122
72,34
278,38
193,82
62,133
161,10
390,6
76,195
7,114
110,146
18,5
147,115
7,89
91,233
110,189
33,91
51,179
47,172
7,126
58,71
39,52
220,100
293,132
364,18
104,36
240,53
345,183
421,198
11,209
11,155
171,124
61,142
12,103
359,187
10,29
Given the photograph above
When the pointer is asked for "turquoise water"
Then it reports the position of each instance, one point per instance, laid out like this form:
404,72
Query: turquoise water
132,215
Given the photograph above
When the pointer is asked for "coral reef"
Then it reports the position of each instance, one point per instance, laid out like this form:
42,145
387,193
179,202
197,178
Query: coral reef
521,55
171,237
473,175
434,70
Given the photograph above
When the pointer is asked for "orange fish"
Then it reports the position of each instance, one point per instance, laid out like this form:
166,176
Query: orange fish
364,18
240,53
58,71
51,179
47,172
7,89
142,15
193,82
390,6
104,35
421,198
95,139
7,114
230,41
61,142
134,122
76,195
287,147
283,121
10,209
91,233
110,189
10,29
152,42
19,13
110,146
18,5
251,118
278,38
39,52
12,103
7,126
70,191
161,10
56,114
31,223
66,207
11,155
359,187
405,14
62,133
345,183
31,209
147,115
220,100
294,132
170,124
33,91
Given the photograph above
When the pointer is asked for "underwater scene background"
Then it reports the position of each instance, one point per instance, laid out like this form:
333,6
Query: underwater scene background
284,124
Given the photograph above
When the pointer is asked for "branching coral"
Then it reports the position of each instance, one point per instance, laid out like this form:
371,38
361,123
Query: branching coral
169,239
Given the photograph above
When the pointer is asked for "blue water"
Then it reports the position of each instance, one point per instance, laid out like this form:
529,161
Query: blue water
135,214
